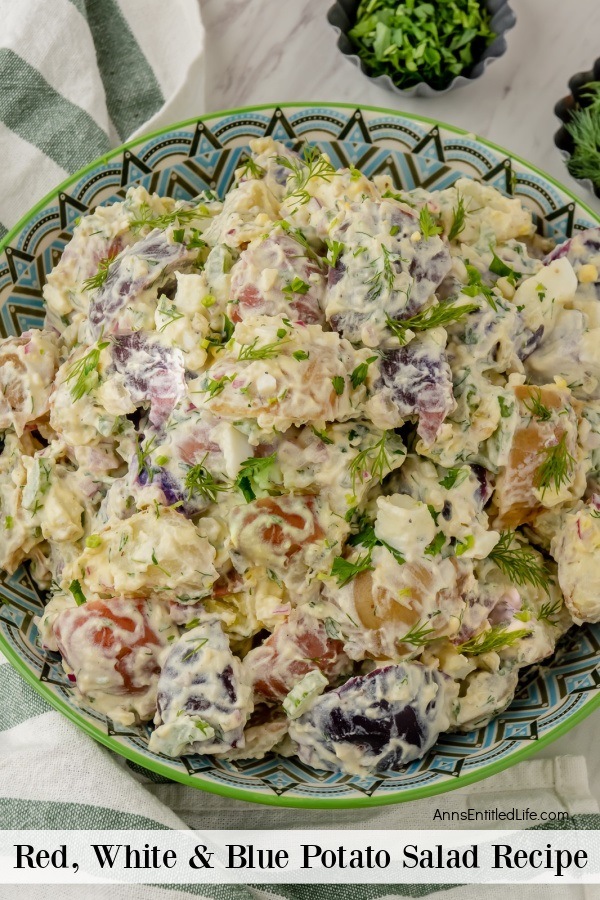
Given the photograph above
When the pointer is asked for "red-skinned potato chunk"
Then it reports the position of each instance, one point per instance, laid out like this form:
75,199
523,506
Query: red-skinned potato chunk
273,276
298,646
114,650
292,535
547,432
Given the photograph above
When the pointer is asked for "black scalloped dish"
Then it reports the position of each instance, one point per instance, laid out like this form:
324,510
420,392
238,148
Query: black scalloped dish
564,111
342,16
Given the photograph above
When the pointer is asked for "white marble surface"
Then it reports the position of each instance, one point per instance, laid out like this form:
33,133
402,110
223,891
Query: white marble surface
261,51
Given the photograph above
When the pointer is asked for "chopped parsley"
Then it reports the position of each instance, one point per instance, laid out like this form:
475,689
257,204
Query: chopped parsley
338,384
359,374
334,251
436,545
296,286
476,287
454,477
249,470
428,225
419,41
344,571
499,267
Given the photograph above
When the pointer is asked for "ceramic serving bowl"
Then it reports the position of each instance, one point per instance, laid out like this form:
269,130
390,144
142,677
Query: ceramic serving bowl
342,16
203,153
564,110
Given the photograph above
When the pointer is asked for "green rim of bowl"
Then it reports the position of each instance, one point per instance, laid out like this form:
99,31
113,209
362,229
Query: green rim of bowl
197,781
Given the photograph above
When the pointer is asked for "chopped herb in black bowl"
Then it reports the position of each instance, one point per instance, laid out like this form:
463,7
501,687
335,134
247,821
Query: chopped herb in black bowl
418,41
421,48
579,137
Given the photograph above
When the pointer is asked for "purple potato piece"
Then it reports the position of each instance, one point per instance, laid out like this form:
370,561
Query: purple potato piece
122,288
485,486
528,342
381,271
418,381
280,254
203,703
151,372
375,722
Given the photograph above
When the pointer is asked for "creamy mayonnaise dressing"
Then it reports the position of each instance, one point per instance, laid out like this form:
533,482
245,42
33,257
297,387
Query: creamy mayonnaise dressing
296,464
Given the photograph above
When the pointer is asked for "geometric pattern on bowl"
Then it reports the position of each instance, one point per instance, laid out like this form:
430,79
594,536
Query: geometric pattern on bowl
203,153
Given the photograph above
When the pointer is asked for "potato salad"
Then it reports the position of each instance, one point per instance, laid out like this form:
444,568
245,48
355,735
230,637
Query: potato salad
312,468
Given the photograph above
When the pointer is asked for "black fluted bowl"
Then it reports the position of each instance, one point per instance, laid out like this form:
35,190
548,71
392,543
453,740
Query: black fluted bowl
342,16
565,108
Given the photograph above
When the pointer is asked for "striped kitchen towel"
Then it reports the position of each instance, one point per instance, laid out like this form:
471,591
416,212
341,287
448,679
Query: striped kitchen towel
78,77
52,776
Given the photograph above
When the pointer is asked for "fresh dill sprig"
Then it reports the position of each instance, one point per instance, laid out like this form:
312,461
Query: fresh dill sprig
383,276
171,314
497,638
428,226
519,563
251,167
97,280
267,351
549,610
419,635
198,480
476,287
443,314
84,372
181,216
344,570
535,406
372,461
458,218
249,469
314,165
557,467
584,128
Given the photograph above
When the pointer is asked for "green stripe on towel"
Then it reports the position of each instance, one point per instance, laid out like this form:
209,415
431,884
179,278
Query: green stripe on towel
133,94
31,107
19,701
